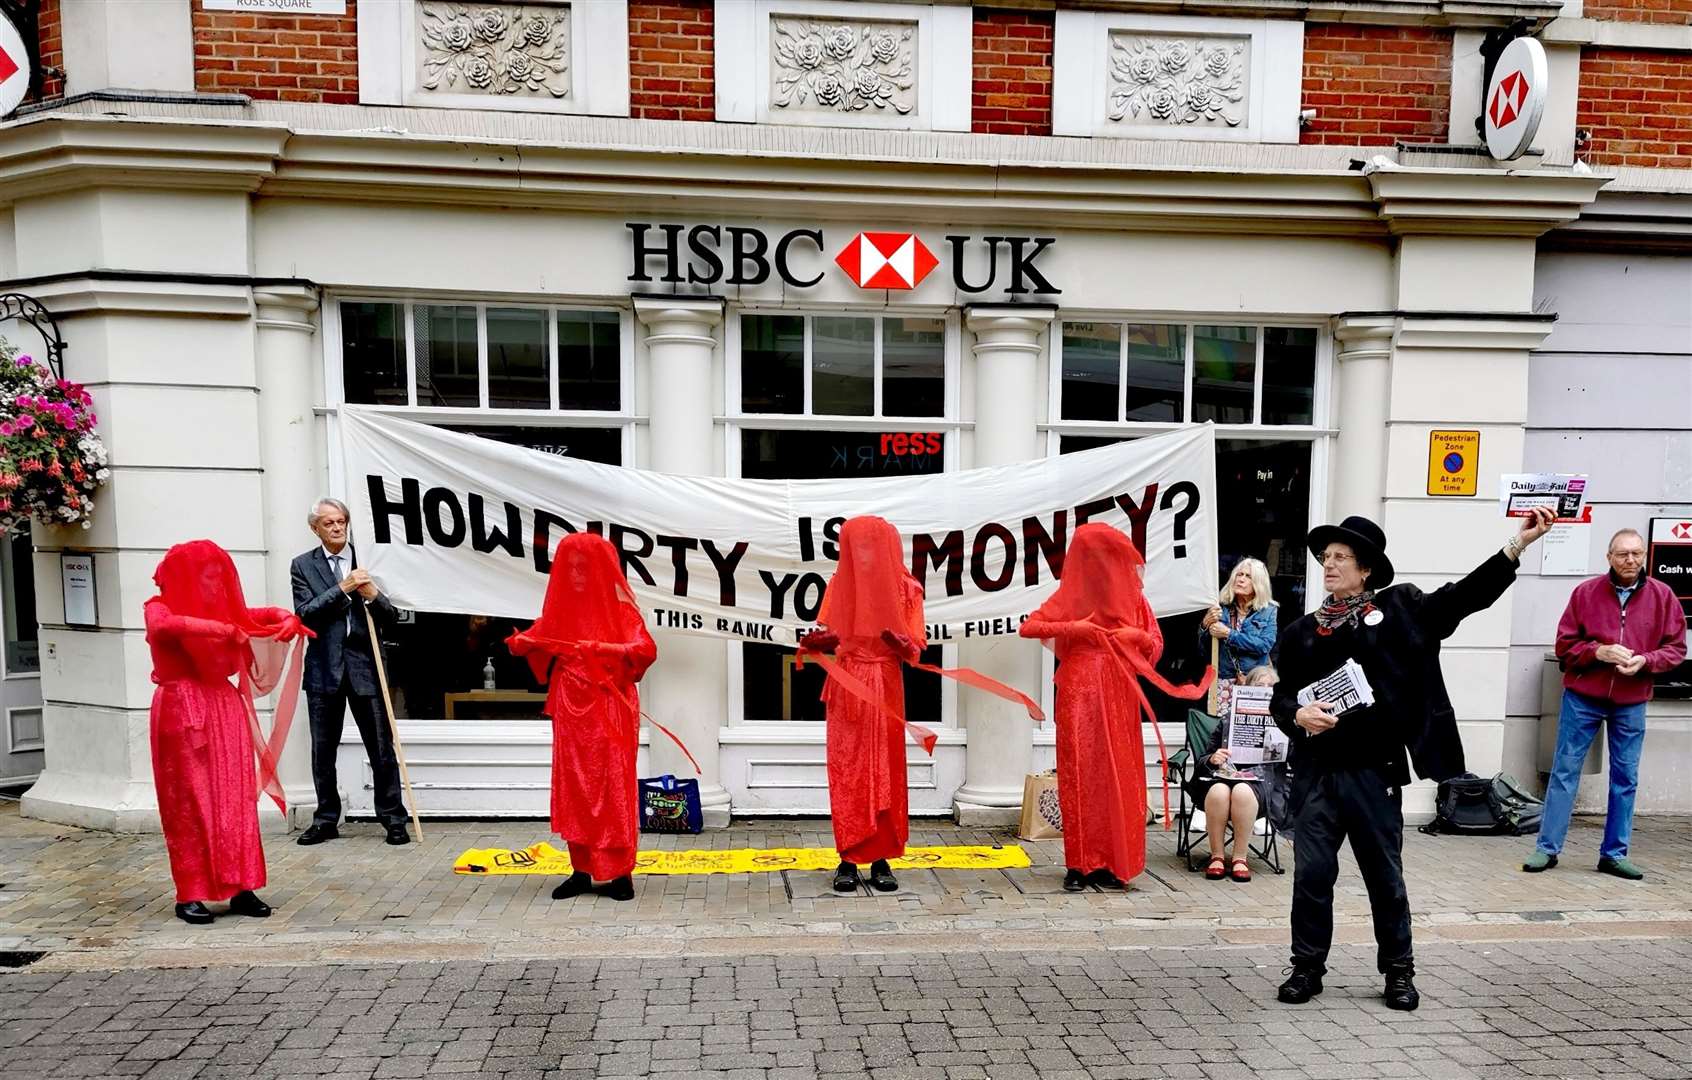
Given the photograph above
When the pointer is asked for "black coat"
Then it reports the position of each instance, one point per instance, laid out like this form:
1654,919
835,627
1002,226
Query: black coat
322,606
1412,717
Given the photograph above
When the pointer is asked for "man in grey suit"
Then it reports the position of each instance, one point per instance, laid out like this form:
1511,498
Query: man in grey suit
330,596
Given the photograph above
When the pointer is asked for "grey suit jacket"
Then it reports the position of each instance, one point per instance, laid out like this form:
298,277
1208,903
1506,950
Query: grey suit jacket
342,645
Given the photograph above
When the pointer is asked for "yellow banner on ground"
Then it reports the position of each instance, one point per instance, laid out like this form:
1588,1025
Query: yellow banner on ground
543,858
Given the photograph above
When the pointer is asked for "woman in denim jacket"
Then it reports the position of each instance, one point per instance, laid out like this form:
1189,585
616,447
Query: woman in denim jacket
1246,621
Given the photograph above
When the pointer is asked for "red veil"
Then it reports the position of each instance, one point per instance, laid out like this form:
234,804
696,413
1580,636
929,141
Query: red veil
585,620
1103,587
197,580
872,593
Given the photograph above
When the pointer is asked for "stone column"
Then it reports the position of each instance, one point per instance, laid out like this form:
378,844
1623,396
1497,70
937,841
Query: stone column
687,690
1363,376
1007,417
288,372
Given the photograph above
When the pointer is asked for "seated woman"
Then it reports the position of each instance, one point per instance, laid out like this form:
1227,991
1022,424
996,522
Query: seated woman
1226,799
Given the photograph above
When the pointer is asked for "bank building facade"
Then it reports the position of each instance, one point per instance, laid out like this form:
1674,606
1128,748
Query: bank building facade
791,239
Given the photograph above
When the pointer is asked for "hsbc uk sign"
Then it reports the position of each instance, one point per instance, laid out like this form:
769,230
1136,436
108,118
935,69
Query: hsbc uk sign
740,255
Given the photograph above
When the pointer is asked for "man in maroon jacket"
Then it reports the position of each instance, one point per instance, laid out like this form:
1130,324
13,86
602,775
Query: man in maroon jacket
1617,632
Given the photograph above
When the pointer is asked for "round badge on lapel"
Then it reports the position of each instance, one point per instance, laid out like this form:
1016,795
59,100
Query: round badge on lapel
1374,618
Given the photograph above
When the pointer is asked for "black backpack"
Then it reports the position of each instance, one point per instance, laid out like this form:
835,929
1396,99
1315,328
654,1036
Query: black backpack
1475,806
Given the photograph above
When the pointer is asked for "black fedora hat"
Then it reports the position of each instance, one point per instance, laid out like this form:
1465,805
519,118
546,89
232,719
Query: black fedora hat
1362,536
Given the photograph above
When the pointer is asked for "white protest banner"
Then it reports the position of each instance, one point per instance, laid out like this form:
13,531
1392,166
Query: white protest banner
450,522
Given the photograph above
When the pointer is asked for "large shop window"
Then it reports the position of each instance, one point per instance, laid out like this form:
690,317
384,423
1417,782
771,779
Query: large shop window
882,365
522,375
886,366
1164,373
1122,380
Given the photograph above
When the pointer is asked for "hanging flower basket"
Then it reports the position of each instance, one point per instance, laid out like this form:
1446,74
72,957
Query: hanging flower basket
51,460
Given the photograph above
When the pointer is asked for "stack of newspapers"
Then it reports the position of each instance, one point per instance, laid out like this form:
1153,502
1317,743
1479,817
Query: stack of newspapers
1346,689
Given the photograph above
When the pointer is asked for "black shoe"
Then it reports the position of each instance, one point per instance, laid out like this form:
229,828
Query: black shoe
317,834
574,885
1400,990
1074,881
846,877
881,877
194,912
245,903
1302,985
620,889
397,834
1104,879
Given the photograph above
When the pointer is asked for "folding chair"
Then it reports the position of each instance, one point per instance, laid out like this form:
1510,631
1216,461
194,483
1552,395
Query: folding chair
1189,819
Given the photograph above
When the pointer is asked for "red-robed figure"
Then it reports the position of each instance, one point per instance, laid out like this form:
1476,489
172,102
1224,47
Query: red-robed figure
205,731
593,637
872,611
1106,637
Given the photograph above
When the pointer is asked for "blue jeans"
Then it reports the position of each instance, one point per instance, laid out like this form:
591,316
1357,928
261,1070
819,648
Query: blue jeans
1577,726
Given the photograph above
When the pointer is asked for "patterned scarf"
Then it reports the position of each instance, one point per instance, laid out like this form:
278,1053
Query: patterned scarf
1335,612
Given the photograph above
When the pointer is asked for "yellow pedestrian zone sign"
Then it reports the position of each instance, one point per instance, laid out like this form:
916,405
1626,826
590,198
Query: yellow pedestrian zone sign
543,858
1453,462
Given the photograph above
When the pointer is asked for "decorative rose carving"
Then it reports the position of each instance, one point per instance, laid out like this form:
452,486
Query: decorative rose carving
508,49
491,24
842,65
1157,80
456,36
535,30
808,53
840,42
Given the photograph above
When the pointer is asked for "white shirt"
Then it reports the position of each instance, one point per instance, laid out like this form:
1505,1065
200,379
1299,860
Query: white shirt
339,573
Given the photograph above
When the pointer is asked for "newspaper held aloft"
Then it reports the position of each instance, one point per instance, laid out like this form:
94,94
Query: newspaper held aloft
1564,494
1253,738
1346,689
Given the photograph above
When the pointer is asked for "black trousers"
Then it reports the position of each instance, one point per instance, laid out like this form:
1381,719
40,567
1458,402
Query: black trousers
1362,806
327,713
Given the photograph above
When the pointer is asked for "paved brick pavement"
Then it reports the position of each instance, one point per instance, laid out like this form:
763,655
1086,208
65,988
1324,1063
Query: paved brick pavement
381,963
1513,1010
103,900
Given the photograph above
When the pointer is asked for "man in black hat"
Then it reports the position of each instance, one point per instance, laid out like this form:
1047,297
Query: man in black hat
1349,771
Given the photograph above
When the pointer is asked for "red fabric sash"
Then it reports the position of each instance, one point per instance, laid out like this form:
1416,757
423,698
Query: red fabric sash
611,685
269,751
923,737
1135,664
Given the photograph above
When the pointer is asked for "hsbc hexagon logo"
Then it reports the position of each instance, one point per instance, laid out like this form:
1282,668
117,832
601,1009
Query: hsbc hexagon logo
886,260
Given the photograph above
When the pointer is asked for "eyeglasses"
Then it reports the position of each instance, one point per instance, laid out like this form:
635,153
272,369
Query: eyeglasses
1334,558
1628,556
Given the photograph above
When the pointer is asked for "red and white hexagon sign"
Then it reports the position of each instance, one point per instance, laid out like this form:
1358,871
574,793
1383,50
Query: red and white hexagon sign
1515,100
14,67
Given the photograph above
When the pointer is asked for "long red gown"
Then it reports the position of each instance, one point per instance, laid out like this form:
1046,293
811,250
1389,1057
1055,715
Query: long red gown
592,628
202,741
1101,761
871,592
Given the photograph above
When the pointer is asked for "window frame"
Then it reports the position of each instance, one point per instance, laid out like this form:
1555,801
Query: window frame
732,421
624,419
1319,433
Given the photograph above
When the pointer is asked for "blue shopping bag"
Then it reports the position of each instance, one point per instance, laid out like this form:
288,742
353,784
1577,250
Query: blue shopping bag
668,805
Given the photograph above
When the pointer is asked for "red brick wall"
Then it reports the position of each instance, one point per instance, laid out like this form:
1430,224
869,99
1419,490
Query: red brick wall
1376,85
672,66
1678,12
1637,107
1012,91
281,57
51,39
